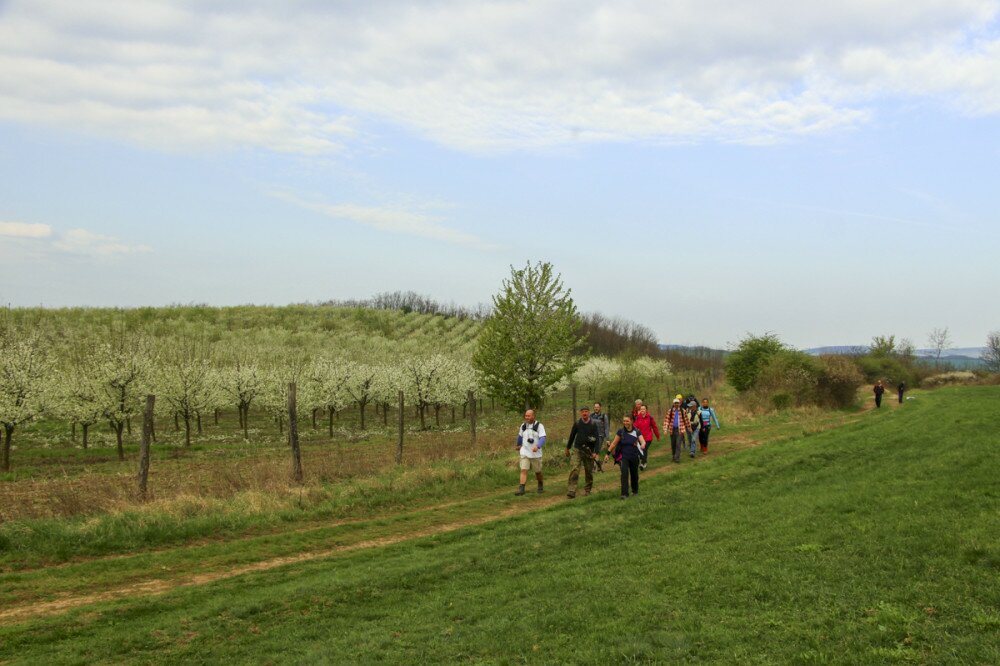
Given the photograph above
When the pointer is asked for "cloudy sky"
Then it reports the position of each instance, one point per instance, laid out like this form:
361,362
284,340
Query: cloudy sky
826,171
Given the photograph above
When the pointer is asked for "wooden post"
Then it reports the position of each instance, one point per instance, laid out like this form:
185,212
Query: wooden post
147,435
472,415
402,418
293,434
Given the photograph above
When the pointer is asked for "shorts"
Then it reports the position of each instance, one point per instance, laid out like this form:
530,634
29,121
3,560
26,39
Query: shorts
533,464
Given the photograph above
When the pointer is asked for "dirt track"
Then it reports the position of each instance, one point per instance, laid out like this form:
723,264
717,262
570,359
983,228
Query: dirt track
156,586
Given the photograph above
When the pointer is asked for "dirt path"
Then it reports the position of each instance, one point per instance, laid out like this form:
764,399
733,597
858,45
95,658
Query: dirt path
156,586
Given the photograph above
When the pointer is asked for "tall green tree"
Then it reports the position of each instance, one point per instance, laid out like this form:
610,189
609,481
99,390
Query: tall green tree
531,342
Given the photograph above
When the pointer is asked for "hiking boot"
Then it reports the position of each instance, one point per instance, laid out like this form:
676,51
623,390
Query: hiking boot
623,497
586,493
540,491
642,465
568,496
519,491
692,454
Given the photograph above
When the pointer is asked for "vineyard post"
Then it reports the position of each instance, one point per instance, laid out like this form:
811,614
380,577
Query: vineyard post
472,415
147,435
402,417
293,434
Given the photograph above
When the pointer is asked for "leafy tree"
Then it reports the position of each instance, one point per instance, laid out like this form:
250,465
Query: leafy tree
882,346
744,364
531,342
991,355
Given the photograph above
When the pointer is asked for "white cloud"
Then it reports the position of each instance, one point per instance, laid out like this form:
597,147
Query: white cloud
391,219
307,78
81,241
25,230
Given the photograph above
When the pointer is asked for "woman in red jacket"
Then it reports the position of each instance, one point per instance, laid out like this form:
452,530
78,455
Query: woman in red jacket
646,425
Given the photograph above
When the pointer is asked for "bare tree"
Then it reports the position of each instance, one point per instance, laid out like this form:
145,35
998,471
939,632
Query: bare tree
939,340
991,355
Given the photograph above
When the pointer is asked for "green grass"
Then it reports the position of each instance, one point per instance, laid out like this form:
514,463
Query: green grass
878,542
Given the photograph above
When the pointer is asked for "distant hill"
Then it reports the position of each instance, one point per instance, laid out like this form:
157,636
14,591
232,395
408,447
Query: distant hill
963,358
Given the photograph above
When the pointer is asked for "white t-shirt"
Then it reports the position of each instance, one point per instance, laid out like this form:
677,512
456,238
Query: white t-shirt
526,432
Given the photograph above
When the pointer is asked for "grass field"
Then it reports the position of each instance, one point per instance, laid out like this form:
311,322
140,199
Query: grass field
873,542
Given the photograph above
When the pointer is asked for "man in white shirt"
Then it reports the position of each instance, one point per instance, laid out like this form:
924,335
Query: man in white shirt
530,440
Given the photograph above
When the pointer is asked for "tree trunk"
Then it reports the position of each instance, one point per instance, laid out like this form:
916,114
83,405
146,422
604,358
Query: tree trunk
329,422
362,404
385,413
453,413
73,433
281,424
197,417
8,431
315,409
216,416
177,425
399,444
246,423
423,425
128,424
293,434
437,415
187,430
147,435
472,415
85,431
118,438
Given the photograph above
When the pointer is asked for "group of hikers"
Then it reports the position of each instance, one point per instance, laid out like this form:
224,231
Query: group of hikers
879,389
688,423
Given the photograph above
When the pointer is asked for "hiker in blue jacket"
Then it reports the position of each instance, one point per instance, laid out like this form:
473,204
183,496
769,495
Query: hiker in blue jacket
706,415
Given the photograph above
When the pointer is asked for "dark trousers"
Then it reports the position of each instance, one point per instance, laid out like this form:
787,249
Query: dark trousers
630,470
676,443
878,400
703,437
901,397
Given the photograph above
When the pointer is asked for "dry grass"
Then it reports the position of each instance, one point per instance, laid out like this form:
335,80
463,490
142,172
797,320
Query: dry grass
254,483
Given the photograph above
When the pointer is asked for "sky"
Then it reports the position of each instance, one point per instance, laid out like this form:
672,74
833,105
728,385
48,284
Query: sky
824,171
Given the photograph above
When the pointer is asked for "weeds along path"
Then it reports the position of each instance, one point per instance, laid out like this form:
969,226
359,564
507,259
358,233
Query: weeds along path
54,590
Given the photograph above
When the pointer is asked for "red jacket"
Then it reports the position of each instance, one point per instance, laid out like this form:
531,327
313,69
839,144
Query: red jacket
647,426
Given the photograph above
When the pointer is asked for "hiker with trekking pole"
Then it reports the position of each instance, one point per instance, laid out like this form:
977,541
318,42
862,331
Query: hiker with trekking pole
584,441
678,425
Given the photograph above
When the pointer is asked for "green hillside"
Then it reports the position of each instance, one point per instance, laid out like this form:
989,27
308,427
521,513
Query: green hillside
876,542
309,328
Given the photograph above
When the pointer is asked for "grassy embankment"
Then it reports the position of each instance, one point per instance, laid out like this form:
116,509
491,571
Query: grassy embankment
870,543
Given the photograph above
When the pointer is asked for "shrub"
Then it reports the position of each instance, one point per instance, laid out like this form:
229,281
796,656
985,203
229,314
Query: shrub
790,372
745,363
887,368
781,400
838,381
960,377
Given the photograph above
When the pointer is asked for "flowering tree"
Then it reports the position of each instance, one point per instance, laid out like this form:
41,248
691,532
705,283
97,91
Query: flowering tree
242,383
361,384
329,379
24,370
186,382
121,368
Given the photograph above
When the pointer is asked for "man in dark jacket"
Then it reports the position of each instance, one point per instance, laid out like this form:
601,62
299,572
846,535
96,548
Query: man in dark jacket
584,441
